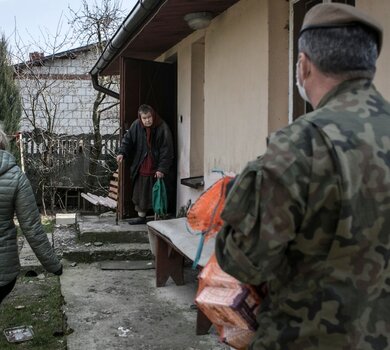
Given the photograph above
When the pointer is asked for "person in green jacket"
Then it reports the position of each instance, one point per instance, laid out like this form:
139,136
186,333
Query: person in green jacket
311,217
17,197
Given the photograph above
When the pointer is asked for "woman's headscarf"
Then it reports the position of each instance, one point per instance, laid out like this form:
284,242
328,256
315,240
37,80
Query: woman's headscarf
145,109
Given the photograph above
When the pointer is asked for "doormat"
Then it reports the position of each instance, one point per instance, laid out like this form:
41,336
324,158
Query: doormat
127,265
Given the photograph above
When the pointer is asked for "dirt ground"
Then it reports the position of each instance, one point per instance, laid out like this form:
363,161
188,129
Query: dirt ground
35,301
123,309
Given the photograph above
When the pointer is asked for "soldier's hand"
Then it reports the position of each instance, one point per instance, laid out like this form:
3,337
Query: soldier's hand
119,158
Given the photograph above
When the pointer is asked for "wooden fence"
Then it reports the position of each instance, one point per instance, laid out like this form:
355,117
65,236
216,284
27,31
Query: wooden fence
66,165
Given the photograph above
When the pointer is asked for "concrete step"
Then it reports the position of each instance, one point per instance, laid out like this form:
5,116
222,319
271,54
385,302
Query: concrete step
88,253
129,243
112,234
68,245
105,229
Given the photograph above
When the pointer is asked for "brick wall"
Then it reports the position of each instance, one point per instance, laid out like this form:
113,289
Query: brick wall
67,96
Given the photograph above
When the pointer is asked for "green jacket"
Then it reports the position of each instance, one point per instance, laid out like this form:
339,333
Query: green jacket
312,219
16,196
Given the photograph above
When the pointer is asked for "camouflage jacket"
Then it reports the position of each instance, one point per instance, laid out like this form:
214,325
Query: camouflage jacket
311,217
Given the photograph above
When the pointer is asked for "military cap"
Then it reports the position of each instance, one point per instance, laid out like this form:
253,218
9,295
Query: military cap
331,15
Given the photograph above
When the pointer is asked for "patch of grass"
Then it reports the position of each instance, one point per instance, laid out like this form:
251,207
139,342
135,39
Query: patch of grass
36,302
48,223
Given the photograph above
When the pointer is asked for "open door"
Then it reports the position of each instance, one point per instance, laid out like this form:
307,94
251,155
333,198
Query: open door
152,83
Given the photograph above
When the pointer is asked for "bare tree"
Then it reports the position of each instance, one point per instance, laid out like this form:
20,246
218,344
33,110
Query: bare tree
48,87
96,24
43,93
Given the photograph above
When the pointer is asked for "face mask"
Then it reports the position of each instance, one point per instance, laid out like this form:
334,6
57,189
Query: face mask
301,89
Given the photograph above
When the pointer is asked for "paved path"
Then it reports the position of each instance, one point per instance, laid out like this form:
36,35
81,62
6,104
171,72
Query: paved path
123,309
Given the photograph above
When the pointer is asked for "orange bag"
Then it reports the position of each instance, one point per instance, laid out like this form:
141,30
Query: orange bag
205,215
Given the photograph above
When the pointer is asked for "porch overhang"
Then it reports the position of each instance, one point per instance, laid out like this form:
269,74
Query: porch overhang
151,28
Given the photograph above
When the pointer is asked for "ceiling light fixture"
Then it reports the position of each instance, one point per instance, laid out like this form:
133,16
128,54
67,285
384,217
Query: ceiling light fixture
198,20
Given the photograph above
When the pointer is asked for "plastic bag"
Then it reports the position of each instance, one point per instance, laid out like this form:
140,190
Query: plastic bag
205,215
159,198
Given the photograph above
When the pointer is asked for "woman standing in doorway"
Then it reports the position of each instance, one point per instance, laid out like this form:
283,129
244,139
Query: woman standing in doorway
148,145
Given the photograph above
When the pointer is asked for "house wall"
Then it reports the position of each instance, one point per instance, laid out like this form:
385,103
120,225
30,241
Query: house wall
236,87
190,114
245,90
69,86
246,85
380,9
246,80
278,72
197,108
184,102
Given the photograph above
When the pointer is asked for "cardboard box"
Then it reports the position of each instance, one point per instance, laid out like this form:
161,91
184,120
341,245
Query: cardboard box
229,307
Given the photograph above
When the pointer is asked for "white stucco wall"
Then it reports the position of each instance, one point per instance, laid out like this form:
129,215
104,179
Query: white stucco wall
237,93
246,84
278,69
71,95
236,87
184,60
380,10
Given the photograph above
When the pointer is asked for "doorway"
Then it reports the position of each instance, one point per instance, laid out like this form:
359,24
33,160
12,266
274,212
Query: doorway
155,84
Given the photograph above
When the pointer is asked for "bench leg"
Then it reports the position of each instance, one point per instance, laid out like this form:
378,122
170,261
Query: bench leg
169,263
203,324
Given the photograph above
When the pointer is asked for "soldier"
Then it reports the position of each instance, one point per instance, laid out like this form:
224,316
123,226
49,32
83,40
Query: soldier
311,216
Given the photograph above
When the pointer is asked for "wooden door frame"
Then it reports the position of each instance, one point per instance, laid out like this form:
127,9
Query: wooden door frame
129,103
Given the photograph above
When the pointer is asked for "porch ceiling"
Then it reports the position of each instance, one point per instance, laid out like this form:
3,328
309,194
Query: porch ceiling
164,30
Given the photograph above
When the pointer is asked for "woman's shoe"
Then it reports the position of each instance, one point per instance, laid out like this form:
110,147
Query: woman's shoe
137,221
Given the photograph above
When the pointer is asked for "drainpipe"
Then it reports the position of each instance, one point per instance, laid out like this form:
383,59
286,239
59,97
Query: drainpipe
130,27
104,90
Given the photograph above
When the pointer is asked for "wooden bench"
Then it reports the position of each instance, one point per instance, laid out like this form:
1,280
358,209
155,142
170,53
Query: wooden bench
110,201
172,242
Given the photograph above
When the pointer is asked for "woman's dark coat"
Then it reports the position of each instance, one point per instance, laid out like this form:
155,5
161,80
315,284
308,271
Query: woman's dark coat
134,147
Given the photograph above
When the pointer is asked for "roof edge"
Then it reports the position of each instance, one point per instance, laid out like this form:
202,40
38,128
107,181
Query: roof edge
137,16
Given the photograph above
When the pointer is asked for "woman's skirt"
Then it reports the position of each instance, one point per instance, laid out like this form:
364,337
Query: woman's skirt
142,193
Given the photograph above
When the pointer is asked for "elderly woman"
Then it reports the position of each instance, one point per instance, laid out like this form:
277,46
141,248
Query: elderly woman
17,197
148,144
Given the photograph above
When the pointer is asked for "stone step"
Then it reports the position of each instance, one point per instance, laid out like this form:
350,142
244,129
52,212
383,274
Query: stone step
106,230
88,253
101,240
112,234
69,247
